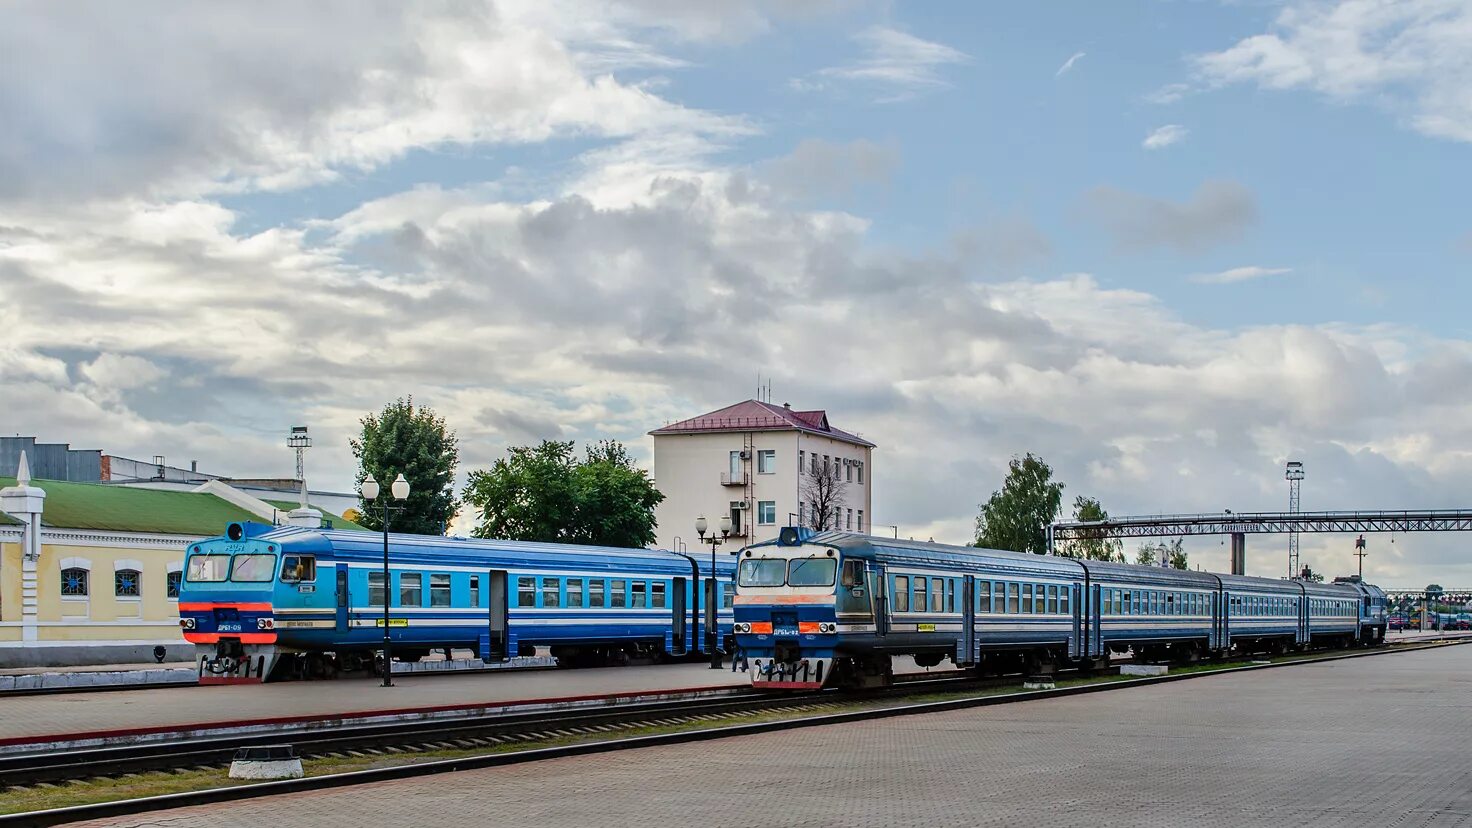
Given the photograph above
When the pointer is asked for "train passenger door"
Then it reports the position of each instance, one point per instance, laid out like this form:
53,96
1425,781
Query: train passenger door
879,590
712,605
678,630
968,622
499,648
342,598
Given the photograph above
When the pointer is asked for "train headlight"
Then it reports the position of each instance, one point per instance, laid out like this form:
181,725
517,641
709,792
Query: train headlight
741,629
265,623
187,623
827,627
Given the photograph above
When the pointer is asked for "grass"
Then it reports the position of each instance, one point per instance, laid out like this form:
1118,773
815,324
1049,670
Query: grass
136,786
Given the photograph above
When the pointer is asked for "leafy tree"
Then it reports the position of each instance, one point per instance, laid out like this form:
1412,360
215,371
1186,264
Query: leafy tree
1017,516
1175,555
824,492
1094,547
544,493
414,442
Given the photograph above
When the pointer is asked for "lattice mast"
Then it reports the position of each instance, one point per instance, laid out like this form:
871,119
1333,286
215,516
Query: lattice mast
1293,473
301,442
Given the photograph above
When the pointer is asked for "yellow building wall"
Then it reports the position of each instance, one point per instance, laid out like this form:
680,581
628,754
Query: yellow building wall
103,617
10,558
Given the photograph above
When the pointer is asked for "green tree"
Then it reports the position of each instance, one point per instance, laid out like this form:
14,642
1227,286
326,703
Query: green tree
1175,554
544,493
1094,547
414,442
1017,516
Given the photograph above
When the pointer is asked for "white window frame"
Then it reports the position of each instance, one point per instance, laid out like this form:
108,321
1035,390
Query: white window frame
76,563
766,461
119,566
173,567
761,512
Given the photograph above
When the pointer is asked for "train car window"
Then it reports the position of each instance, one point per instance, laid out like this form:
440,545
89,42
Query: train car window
656,594
1027,598
729,595
1063,593
938,590
1040,599
999,596
475,590
252,569
1013,591
526,592
411,589
375,589
1120,602
1053,600
983,596
637,587
950,595
901,593
922,590
208,569
439,590
551,592
298,568
617,596
595,593
574,592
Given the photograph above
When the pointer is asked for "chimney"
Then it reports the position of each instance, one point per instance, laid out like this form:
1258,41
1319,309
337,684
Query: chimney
787,406
194,466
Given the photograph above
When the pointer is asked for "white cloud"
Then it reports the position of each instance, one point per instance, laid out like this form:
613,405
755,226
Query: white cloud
1168,94
1239,274
1162,137
898,62
122,371
1414,56
1068,64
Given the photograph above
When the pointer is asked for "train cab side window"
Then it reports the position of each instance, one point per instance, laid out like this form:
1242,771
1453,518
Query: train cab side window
574,592
595,593
475,590
298,568
901,593
853,574
526,592
617,593
439,590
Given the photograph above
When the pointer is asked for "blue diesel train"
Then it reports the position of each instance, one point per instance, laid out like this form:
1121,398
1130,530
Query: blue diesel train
267,602
833,608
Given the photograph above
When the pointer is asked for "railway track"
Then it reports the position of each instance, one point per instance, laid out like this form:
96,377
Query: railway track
457,733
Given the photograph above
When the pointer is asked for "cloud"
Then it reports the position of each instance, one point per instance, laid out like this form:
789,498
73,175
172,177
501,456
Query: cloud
1168,94
897,62
1219,212
121,371
1162,137
1068,64
1411,56
821,169
1239,274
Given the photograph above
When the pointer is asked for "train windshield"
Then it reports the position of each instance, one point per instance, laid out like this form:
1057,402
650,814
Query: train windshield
253,568
208,568
763,572
812,572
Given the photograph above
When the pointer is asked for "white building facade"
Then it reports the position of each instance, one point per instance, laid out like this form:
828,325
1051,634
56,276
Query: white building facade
755,462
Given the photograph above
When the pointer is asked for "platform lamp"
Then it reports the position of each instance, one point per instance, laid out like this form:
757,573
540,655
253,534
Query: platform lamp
701,527
400,490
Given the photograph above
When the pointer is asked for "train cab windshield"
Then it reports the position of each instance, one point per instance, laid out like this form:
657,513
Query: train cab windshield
253,568
208,568
811,571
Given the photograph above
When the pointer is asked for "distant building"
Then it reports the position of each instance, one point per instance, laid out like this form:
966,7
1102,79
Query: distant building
755,461
90,572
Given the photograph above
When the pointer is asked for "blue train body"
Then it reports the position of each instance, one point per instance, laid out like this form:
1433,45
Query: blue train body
262,602
813,609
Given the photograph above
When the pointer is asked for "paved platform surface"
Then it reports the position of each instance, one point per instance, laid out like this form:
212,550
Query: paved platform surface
1372,741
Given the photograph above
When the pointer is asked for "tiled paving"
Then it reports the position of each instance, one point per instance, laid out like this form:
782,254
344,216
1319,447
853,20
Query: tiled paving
1373,741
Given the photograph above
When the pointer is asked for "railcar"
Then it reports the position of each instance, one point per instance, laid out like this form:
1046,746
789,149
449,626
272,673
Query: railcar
818,608
266,602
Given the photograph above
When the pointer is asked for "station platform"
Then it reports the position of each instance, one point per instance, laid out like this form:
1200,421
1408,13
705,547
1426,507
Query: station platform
1368,741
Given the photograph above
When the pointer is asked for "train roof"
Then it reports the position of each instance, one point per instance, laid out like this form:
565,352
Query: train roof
368,546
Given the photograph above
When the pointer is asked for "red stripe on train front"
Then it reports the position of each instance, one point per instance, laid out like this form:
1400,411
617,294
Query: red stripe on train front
245,638
206,606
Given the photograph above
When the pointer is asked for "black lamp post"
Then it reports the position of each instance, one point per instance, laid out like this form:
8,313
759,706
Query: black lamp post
400,490
711,596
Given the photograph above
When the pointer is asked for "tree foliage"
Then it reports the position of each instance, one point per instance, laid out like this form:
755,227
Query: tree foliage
1094,547
1017,516
414,442
1149,554
823,493
545,493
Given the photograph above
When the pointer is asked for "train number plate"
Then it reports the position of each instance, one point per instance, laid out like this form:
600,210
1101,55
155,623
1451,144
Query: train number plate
229,628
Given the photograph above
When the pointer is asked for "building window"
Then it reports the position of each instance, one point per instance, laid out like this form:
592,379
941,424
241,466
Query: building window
849,521
411,589
125,583
802,461
859,527
173,584
814,464
74,582
735,465
848,472
826,465
766,512
736,512
802,513
375,589
439,590
860,472
766,461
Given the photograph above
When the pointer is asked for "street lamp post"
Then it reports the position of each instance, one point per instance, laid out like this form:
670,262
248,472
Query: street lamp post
400,490
701,527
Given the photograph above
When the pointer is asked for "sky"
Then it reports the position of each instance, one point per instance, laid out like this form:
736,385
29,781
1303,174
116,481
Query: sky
1166,246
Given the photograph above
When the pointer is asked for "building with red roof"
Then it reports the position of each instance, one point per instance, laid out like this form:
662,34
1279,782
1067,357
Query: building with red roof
765,466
